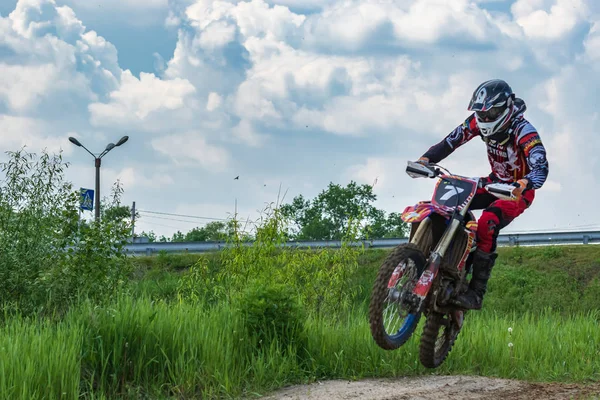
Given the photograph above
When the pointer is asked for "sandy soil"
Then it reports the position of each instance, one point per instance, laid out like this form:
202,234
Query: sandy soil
437,387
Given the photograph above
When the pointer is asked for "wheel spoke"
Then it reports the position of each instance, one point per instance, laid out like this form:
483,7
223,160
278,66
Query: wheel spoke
396,311
388,318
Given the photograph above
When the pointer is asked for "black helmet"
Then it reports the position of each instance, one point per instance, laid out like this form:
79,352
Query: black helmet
492,102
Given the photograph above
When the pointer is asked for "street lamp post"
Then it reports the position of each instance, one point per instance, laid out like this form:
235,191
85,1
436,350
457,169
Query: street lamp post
98,162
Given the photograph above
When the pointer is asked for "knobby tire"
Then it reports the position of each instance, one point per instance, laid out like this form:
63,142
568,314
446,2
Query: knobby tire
380,293
429,356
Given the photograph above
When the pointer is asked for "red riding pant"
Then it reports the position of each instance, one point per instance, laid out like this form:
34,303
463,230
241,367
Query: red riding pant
496,215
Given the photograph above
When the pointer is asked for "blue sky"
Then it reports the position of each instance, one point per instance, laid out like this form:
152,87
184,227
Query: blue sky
297,94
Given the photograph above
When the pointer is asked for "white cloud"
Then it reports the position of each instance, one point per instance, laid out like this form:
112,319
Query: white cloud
399,101
348,116
245,133
354,24
131,177
548,19
133,12
216,35
551,186
374,170
256,18
249,105
253,18
34,134
192,149
136,99
50,56
123,4
304,4
592,43
22,86
214,101
429,20
207,71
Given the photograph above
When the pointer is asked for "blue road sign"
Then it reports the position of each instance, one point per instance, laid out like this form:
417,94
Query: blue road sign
87,199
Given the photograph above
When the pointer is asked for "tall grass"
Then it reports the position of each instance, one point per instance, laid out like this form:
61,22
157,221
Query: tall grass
546,347
138,347
40,359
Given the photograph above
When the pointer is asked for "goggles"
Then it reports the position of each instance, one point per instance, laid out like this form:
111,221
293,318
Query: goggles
490,115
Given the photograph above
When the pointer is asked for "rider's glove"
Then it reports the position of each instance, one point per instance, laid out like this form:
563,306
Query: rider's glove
483,182
520,187
423,160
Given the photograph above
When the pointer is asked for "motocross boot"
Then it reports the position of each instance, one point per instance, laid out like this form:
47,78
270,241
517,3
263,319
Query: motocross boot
472,299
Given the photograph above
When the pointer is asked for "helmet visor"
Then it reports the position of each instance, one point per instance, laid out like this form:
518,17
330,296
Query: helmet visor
490,115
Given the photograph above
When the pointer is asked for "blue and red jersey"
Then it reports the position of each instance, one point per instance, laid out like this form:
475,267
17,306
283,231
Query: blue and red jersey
520,155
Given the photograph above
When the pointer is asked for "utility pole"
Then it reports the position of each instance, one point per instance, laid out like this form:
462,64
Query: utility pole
133,223
98,162
97,209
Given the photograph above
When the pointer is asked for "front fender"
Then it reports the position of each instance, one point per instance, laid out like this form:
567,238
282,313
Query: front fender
418,212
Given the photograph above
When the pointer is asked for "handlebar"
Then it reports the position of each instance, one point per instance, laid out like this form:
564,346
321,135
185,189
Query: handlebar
418,170
501,190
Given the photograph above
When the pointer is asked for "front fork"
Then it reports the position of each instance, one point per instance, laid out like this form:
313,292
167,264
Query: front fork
426,280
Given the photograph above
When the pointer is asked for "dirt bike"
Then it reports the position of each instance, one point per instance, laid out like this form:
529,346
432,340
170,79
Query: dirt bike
423,275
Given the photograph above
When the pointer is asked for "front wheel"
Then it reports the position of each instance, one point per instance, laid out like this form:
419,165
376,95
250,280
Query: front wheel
392,312
439,334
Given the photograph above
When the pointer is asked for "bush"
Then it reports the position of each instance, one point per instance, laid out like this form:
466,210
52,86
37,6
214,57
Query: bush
271,313
322,279
591,295
49,257
198,284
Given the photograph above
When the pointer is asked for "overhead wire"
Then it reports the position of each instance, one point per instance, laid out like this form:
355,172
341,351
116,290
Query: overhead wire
155,224
182,215
178,220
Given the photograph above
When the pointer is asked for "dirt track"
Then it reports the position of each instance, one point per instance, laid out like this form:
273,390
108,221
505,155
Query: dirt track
437,387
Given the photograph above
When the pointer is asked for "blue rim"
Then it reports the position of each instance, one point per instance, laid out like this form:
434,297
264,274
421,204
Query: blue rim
406,329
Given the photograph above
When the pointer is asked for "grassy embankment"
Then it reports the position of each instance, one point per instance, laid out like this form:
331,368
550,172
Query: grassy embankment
181,332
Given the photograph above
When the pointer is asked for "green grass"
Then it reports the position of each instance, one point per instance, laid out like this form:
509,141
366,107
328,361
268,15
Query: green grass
39,359
139,347
526,279
151,342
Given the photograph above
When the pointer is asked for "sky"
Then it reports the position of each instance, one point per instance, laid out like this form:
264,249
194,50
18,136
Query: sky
291,95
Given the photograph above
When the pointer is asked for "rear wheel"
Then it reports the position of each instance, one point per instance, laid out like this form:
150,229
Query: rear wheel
392,312
439,335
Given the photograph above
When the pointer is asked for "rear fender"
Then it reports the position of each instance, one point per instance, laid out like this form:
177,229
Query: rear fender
472,224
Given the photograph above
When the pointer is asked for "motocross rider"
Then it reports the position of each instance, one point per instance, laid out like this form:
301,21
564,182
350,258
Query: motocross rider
516,155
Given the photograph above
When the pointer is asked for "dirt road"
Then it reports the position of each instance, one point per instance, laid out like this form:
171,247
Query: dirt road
437,387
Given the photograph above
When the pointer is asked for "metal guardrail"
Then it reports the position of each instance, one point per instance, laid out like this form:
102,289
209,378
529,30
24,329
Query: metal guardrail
509,239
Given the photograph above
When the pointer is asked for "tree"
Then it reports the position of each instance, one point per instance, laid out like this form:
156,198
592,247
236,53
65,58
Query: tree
213,231
387,228
327,217
150,235
216,231
178,237
396,228
111,208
